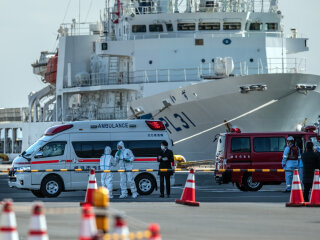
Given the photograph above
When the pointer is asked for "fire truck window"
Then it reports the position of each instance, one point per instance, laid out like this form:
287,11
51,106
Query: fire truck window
53,149
240,145
269,144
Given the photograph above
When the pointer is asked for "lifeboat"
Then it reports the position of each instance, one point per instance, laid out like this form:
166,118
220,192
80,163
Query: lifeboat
51,73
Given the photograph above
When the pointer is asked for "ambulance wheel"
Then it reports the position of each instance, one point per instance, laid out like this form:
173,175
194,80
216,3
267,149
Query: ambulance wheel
241,187
145,184
51,186
249,185
37,193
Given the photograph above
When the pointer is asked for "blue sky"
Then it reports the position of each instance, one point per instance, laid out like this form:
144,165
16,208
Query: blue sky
29,27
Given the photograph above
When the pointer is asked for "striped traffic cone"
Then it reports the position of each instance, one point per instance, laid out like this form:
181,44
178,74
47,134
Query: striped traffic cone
38,225
121,228
315,194
189,193
296,197
92,186
8,229
154,229
88,229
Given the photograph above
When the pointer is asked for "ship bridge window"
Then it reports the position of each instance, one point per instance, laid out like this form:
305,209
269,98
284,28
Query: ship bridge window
156,28
271,26
255,26
139,28
169,27
186,26
209,26
232,26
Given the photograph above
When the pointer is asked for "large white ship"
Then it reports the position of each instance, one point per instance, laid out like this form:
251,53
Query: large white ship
198,65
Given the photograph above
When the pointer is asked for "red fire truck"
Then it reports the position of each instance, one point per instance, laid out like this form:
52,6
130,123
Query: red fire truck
236,150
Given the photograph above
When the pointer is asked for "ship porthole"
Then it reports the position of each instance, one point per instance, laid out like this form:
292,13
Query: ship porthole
203,60
150,62
251,59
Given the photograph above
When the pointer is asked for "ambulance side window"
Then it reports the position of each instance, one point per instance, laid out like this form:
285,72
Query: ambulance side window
240,145
90,149
53,149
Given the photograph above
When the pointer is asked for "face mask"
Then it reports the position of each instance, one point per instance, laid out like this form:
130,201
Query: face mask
162,147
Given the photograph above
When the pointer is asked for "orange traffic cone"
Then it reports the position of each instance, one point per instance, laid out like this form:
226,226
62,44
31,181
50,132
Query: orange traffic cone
121,228
88,229
92,186
8,229
315,194
189,195
296,197
154,229
38,225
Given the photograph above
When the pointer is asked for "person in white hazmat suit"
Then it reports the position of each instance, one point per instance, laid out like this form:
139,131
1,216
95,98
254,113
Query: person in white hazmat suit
107,161
125,159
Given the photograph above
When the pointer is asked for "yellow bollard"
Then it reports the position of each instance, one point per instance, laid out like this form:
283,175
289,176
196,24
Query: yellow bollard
101,204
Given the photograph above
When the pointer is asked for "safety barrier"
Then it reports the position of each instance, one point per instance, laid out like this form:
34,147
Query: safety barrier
147,170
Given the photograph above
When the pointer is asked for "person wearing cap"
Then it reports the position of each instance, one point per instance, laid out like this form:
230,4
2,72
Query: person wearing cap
311,162
165,159
107,161
125,158
291,160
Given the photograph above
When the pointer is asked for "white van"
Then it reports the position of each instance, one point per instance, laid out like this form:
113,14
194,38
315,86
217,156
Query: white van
80,145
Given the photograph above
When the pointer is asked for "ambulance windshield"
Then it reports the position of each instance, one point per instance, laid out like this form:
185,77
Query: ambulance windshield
33,148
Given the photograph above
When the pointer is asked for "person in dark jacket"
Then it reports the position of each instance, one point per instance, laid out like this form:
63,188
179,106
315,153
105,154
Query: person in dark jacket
165,158
310,163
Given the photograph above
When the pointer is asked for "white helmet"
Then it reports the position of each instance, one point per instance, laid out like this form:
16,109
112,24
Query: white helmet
290,138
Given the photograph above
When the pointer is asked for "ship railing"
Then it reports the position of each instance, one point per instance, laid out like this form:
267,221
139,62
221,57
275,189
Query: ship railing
82,28
94,113
286,65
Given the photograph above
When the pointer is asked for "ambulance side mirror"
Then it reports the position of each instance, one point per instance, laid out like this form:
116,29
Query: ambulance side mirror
39,155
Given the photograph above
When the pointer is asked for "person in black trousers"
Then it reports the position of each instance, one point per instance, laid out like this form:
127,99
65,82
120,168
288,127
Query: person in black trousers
165,158
311,162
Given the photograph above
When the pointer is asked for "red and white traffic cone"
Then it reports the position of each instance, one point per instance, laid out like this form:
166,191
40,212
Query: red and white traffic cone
88,229
92,186
189,193
296,197
38,225
121,228
315,194
8,229
154,229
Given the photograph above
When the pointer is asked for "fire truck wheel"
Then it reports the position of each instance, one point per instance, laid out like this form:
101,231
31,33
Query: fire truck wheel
145,183
37,193
249,185
51,186
241,187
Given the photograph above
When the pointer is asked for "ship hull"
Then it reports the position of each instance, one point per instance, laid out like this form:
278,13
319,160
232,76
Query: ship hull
196,113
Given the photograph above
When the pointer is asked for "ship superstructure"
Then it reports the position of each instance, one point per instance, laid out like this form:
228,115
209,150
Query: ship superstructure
143,49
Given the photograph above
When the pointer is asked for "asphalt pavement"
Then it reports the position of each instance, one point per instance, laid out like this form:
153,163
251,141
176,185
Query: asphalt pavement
224,213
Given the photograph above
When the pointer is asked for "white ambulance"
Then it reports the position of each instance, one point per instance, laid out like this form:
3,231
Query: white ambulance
79,145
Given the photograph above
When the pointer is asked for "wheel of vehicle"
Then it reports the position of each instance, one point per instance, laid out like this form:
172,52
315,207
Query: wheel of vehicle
37,193
249,185
241,187
51,186
145,184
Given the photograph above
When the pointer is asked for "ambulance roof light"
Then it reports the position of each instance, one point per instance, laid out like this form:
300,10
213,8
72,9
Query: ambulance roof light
156,125
57,129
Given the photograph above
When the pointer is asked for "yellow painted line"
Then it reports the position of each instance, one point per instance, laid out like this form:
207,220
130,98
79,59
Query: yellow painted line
280,170
163,170
121,170
206,170
107,171
49,170
4,170
78,169
149,170
178,169
251,170
265,170
34,170
63,170
222,170
236,170
20,171
135,170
